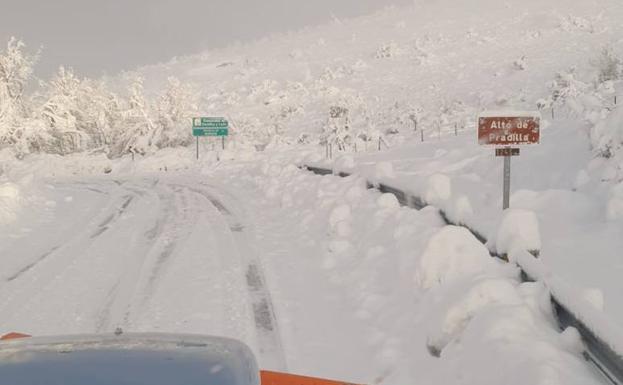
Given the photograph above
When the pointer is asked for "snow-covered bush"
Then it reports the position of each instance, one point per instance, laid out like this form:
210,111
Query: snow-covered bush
135,133
15,71
176,107
388,50
566,91
520,64
76,113
337,130
607,135
609,66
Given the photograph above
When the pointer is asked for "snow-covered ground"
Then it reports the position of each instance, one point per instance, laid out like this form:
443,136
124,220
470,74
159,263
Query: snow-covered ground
558,180
319,275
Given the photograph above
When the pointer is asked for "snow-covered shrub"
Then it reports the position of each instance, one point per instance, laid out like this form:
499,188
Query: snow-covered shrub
388,50
76,113
337,130
414,115
15,71
134,134
571,22
566,91
607,135
176,107
609,66
520,64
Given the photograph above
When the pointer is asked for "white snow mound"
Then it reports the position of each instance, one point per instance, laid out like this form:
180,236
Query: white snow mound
388,201
438,190
451,253
384,170
518,230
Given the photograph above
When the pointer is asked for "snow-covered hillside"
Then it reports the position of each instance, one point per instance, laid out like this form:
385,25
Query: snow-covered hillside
435,62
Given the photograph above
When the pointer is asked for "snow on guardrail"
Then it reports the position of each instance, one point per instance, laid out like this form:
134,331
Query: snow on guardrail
603,340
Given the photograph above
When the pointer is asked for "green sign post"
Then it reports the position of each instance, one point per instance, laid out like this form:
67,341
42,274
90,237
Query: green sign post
210,126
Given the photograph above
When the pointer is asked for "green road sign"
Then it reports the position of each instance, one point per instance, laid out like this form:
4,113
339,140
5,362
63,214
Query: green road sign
210,123
198,131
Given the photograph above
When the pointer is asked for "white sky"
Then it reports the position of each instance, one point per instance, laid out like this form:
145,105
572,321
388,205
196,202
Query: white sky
105,36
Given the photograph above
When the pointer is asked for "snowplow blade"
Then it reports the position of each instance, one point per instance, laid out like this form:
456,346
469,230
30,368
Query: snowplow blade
276,378
13,336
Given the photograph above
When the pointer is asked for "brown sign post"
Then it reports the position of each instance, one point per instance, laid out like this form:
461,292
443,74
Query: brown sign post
508,129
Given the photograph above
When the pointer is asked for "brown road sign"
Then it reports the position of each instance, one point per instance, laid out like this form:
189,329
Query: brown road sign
506,151
508,130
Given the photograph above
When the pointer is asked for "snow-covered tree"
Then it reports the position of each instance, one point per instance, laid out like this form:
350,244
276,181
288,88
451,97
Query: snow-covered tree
15,70
176,107
608,65
414,115
60,112
136,130
566,90
337,129
77,112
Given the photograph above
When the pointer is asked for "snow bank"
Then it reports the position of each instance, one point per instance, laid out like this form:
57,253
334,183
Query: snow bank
388,201
585,308
595,297
460,211
607,135
438,190
345,163
461,302
339,214
486,318
451,253
518,230
10,202
384,170
614,209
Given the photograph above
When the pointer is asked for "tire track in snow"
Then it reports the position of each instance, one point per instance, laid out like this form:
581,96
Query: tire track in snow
30,284
101,228
109,220
128,298
58,248
267,329
116,310
32,264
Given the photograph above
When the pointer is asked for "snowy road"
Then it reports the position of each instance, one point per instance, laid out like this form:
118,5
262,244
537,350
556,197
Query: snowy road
142,255
318,275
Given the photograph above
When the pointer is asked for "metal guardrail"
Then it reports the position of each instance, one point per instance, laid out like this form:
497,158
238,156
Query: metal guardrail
597,351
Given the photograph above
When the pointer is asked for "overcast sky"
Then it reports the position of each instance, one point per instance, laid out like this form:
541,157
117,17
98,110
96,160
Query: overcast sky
105,36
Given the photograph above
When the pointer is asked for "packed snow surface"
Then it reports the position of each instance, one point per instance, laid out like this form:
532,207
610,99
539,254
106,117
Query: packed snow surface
357,287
